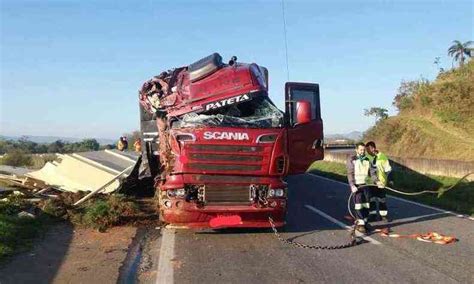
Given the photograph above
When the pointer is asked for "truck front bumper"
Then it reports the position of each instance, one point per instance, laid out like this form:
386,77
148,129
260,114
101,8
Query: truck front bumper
186,214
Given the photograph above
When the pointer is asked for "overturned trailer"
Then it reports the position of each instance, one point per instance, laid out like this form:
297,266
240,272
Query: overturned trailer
219,148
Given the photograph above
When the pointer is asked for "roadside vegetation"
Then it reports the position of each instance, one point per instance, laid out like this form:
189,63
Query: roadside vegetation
435,118
21,222
101,212
25,153
459,199
18,233
27,146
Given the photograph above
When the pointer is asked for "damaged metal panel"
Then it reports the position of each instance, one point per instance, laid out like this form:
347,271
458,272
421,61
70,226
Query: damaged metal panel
85,171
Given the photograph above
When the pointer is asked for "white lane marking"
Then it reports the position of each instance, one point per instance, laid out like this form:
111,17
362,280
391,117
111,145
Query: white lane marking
409,219
165,265
340,224
425,206
404,200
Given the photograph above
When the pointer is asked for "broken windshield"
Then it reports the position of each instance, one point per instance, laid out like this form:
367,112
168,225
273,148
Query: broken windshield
259,112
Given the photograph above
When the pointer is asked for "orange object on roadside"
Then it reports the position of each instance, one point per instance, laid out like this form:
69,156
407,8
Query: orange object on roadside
431,237
138,145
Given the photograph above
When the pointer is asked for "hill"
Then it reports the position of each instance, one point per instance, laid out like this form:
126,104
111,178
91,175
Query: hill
435,120
354,135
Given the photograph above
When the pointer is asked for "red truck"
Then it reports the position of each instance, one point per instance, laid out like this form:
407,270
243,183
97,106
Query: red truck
219,148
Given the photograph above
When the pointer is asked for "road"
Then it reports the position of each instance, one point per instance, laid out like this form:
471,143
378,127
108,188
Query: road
316,211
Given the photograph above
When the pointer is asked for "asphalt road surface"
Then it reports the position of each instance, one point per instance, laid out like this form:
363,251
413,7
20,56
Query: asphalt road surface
317,207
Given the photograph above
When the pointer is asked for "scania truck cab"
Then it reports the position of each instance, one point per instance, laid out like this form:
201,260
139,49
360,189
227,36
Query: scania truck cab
228,147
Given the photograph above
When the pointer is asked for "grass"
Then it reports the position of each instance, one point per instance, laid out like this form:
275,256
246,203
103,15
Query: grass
459,199
17,234
422,137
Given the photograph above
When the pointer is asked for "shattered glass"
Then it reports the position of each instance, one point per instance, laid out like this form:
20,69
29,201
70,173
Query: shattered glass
258,112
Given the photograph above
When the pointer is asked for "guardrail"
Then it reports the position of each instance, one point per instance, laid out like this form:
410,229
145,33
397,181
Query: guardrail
447,168
339,146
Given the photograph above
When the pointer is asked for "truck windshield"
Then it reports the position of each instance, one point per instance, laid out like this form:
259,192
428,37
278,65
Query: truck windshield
258,112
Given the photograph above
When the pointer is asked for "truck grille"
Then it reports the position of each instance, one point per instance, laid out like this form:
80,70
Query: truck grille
225,158
225,148
224,193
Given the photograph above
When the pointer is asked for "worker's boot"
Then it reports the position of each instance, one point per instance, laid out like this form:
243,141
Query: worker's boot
360,229
368,228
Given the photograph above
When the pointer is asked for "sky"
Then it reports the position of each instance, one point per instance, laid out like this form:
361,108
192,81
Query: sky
73,68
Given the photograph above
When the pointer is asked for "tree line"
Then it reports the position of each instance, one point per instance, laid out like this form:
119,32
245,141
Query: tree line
58,146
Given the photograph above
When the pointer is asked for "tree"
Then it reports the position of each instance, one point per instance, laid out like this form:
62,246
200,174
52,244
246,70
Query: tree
459,50
88,145
403,100
378,112
56,147
132,137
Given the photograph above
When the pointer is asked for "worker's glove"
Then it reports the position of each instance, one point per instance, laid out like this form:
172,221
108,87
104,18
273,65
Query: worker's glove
380,184
354,188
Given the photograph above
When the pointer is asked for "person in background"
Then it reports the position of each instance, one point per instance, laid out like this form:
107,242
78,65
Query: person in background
381,165
125,143
138,145
358,171
120,144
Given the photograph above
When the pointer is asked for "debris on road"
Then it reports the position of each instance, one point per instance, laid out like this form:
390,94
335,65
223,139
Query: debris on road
87,171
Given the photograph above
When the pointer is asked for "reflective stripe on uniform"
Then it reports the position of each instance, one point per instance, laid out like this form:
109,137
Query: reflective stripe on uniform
383,212
373,212
358,206
366,205
378,199
360,222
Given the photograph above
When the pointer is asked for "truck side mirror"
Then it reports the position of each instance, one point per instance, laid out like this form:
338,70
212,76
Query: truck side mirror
303,112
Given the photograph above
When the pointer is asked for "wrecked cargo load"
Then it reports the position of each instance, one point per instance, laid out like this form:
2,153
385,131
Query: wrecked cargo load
86,171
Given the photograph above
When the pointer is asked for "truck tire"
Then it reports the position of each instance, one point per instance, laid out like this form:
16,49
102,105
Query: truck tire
204,67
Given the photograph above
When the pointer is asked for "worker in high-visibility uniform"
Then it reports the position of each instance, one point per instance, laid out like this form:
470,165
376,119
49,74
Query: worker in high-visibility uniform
358,172
380,163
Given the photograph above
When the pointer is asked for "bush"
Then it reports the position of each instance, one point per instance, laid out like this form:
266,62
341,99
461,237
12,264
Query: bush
12,205
100,213
425,101
38,161
103,214
448,115
16,158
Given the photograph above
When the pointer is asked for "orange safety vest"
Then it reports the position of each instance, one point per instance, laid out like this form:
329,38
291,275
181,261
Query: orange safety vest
138,146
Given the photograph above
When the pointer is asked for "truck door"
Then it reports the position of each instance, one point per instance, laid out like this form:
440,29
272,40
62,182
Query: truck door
305,126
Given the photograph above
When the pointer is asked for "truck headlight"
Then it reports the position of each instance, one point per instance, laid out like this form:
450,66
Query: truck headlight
276,192
179,192
279,192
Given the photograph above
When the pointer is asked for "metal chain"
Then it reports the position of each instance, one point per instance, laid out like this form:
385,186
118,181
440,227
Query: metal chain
353,242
